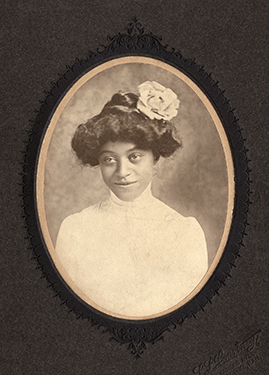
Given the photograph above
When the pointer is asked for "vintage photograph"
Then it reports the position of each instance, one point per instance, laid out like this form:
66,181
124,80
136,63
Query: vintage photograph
135,188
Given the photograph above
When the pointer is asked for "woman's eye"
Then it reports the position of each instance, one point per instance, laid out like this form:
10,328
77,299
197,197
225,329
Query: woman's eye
109,160
135,157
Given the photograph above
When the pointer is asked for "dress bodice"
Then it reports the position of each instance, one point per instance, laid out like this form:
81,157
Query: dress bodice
132,258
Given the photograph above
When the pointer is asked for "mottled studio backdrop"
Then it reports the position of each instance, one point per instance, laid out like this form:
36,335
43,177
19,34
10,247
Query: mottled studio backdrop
193,182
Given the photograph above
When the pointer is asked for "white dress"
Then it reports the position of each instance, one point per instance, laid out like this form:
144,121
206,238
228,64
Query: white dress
133,258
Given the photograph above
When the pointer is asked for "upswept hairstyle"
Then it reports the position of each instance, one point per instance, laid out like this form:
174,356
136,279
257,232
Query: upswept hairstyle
120,120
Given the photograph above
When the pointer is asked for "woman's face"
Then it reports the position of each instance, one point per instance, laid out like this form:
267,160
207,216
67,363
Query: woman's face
126,169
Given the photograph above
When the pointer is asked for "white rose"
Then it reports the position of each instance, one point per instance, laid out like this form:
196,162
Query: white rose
156,101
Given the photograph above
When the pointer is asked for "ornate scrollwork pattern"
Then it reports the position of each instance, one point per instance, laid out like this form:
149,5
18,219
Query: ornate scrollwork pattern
136,39
136,338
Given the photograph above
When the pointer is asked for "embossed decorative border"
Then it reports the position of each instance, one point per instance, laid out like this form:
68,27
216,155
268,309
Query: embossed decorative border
136,42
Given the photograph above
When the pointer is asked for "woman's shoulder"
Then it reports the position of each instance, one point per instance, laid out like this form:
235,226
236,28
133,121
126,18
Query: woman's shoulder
177,222
80,217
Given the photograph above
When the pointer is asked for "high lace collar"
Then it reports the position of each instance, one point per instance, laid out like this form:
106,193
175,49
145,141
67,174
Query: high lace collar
143,200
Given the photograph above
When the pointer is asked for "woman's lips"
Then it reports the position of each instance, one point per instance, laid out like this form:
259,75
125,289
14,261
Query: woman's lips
123,184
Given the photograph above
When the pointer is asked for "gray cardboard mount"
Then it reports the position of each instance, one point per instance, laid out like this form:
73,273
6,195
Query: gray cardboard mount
38,40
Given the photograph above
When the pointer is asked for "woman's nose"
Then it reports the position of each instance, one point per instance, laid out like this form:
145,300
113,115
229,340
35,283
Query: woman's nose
123,169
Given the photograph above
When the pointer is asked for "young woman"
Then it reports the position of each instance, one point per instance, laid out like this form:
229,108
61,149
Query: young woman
131,254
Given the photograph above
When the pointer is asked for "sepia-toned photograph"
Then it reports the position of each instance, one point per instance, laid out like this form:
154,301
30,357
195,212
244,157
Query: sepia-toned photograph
135,188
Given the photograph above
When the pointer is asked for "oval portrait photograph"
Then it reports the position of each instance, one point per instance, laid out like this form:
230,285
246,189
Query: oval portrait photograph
135,188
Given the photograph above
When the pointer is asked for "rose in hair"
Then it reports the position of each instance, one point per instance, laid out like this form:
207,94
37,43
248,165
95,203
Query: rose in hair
157,102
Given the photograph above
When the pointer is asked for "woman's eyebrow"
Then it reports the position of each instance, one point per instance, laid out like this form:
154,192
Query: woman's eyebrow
134,149
114,153
107,152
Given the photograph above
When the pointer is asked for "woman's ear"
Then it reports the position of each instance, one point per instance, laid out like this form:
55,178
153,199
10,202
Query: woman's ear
155,161
155,167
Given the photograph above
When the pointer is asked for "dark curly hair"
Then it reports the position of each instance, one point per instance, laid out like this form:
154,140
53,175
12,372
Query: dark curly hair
120,120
